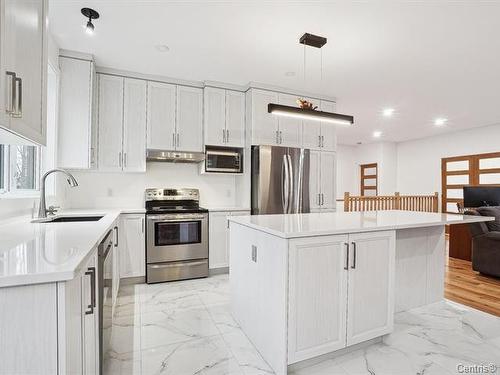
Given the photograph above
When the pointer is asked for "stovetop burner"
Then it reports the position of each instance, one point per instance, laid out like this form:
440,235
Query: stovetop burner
173,201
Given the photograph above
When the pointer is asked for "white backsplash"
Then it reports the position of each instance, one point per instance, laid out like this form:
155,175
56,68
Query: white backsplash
126,190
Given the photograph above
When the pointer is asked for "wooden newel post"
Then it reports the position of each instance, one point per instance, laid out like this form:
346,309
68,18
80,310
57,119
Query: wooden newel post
435,202
397,201
346,201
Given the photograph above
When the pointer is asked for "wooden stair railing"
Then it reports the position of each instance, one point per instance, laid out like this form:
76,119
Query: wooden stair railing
423,203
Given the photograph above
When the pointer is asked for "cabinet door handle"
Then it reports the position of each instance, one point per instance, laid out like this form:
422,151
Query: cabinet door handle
125,159
18,87
173,139
346,265
116,233
319,199
281,137
322,141
92,305
223,135
277,142
353,266
322,199
177,139
227,136
142,225
120,159
12,97
319,140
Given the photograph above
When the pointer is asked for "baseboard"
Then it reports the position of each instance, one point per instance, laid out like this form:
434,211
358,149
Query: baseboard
218,271
132,280
313,361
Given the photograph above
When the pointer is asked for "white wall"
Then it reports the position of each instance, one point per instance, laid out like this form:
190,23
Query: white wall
419,161
126,190
347,171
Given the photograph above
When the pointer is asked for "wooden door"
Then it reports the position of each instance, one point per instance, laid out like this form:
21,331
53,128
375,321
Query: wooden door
134,125
189,122
369,179
314,180
328,179
370,308
235,118
215,116
317,296
161,116
264,125
110,123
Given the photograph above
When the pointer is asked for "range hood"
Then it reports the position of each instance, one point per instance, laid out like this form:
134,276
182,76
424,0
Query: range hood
174,156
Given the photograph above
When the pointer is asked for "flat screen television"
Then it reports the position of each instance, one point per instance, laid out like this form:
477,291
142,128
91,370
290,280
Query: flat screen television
478,196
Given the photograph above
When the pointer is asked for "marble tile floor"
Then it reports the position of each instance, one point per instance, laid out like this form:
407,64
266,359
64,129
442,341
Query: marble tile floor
186,328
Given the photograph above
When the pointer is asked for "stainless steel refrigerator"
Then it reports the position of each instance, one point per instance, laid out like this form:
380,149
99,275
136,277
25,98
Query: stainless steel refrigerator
280,180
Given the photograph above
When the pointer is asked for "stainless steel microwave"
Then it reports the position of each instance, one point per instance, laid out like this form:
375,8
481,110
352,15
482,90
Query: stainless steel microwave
223,160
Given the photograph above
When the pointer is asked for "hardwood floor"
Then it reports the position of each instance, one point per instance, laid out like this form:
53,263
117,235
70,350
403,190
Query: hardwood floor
465,286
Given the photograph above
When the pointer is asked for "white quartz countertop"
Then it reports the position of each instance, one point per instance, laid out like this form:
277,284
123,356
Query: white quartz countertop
322,224
32,253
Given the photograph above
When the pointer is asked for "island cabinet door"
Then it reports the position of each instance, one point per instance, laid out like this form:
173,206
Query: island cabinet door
370,309
317,296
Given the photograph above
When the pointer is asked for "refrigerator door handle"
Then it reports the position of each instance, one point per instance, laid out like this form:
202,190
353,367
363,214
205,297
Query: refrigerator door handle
291,187
285,188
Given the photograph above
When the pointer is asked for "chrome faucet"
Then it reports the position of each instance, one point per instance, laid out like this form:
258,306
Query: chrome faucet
42,211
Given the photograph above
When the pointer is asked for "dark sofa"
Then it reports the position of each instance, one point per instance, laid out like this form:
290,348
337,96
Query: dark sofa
485,243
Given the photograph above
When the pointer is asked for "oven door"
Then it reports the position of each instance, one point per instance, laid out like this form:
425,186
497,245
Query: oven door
176,237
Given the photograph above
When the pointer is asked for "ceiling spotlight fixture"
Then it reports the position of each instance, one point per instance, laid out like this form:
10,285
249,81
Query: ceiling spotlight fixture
162,48
440,121
306,110
91,14
377,134
388,112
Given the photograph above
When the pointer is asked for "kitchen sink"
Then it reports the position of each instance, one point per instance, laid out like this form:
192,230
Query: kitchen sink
66,219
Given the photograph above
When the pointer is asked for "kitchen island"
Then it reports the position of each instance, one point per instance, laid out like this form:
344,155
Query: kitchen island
304,286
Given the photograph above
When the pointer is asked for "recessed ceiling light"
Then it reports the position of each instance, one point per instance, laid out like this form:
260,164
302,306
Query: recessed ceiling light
162,48
377,134
440,121
290,74
388,112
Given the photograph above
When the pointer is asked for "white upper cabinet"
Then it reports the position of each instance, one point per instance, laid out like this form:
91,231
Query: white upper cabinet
311,131
215,116
289,128
134,125
75,132
328,176
264,125
24,67
235,118
189,124
224,118
161,116
328,131
122,124
110,122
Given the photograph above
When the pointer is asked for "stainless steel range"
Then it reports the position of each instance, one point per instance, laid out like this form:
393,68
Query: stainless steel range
176,235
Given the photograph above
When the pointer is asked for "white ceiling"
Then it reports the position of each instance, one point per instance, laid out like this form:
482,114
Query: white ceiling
427,60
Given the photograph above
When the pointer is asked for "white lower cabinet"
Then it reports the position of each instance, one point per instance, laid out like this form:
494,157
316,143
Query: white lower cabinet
334,301
218,237
322,175
131,245
78,323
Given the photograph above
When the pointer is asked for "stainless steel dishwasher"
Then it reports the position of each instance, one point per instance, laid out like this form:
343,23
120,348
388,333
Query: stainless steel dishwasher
105,287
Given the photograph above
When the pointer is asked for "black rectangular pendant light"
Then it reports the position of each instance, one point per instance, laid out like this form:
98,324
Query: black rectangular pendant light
310,114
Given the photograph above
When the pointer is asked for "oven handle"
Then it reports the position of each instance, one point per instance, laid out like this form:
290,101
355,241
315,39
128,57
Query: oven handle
172,220
156,266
